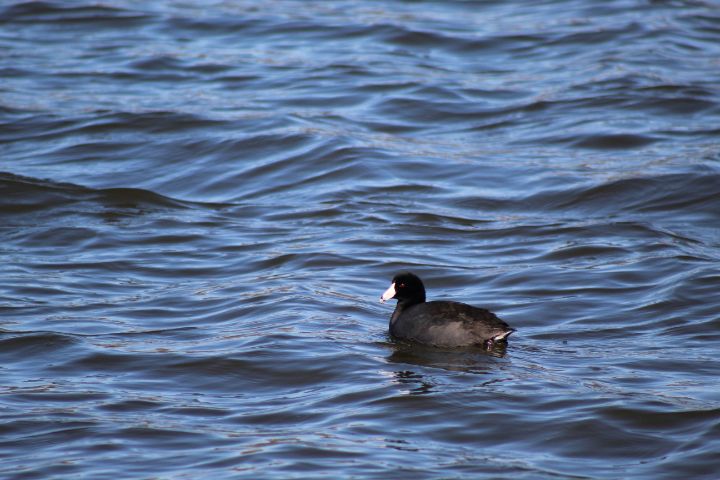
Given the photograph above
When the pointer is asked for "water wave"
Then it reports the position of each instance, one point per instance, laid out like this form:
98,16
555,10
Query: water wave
200,205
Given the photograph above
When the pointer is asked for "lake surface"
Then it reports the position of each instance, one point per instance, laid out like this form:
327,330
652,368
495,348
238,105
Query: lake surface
201,202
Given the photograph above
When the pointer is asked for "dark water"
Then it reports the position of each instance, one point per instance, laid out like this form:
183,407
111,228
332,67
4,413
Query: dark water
201,202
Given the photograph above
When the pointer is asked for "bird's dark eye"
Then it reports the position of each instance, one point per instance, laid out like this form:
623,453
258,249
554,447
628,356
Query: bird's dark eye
402,285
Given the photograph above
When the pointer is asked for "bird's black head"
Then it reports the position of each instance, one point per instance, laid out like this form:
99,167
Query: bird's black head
406,288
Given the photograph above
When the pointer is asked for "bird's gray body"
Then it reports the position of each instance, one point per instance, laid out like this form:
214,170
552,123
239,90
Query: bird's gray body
444,323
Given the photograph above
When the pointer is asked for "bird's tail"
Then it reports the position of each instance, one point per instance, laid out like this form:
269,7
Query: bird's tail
502,336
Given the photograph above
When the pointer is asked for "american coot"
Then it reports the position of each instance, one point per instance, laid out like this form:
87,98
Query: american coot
440,323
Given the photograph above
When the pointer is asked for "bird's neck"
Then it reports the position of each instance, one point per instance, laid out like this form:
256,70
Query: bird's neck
403,305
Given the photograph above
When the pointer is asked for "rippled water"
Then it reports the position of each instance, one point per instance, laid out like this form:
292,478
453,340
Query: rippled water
201,202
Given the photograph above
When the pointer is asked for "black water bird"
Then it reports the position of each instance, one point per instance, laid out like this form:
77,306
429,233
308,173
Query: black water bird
440,323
